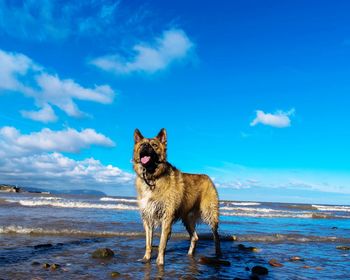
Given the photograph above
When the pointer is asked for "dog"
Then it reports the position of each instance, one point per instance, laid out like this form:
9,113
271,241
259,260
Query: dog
166,195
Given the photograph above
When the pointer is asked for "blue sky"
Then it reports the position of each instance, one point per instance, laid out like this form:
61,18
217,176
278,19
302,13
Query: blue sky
255,94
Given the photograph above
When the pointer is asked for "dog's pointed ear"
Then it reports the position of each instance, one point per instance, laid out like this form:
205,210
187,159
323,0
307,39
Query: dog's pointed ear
137,136
162,136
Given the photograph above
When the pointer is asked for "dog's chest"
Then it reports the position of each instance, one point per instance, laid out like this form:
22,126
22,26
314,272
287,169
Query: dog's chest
152,209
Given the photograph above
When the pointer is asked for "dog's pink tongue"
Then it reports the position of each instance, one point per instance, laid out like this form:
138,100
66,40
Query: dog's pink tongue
145,159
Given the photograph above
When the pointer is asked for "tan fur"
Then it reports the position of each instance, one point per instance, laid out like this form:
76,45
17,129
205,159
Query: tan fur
166,195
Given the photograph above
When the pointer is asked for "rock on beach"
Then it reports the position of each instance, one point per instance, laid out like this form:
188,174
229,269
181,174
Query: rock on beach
260,270
103,253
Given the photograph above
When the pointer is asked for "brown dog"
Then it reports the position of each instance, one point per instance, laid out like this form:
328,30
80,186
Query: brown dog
166,195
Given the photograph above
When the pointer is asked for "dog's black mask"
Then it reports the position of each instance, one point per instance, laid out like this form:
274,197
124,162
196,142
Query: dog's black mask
149,158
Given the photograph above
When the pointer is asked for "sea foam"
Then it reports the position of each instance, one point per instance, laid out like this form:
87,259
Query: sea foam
71,204
242,203
332,208
118,199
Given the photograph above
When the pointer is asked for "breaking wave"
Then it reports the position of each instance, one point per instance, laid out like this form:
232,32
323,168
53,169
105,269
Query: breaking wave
242,203
298,238
13,229
332,208
250,209
118,199
283,214
71,204
50,198
277,214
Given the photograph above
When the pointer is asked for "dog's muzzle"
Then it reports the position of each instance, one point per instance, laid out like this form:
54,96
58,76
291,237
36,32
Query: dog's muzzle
148,157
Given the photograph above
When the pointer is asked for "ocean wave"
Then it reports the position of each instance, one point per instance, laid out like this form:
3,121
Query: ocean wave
250,209
14,229
269,238
297,238
72,204
284,214
300,206
50,198
332,208
118,199
242,203
268,215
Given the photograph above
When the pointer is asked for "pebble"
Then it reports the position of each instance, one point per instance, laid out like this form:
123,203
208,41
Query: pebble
260,270
103,253
43,246
296,259
310,267
245,248
213,261
343,247
54,266
115,274
46,265
275,263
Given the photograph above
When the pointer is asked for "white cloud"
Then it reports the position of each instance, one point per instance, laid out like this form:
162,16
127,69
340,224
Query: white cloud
19,73
13,66
54,170
174,45
14,144
62,92
45,115
236,184
234,176
279,119
36,160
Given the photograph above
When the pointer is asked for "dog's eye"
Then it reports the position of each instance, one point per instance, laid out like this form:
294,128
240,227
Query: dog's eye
154,145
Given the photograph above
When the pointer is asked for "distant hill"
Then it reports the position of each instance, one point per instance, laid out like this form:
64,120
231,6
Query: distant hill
80,191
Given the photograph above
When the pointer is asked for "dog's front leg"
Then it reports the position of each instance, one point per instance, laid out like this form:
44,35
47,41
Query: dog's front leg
149,237
166,231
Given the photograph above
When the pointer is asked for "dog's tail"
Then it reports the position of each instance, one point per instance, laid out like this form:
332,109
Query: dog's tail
209,205
210,212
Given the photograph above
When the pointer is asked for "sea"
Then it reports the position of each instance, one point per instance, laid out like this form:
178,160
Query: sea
307,241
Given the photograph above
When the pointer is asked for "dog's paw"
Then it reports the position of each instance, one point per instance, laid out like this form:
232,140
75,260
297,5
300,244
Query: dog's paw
218,254
160,262
144,260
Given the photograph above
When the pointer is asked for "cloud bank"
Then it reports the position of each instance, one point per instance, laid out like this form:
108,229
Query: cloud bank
54,170
36,159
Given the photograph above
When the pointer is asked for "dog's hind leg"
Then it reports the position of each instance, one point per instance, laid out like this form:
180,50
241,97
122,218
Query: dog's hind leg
190,225
210,214
216,236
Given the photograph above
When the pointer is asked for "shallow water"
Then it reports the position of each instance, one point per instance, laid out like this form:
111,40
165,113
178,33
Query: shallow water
77,225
